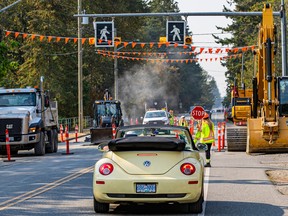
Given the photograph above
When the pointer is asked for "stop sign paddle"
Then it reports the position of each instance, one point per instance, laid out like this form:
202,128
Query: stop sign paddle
198,112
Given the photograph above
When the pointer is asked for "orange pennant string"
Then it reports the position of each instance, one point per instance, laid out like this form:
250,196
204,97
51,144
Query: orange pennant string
49,38
75,40
83,40
133,44
33,37
167,44
151,44
24,35
58,39
117,43
176,45
7,33
16,34
41,37
66,40
142,45
201,50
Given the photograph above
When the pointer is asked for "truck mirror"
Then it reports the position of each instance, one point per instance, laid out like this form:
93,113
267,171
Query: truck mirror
46,101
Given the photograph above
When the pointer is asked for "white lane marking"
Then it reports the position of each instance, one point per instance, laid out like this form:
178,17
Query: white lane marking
206,184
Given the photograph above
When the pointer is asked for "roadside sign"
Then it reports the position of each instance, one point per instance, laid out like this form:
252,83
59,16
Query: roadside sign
104,34
175,31
198,112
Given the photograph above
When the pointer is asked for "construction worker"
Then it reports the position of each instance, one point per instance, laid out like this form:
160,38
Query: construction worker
107,95
205,135
171,118
182,122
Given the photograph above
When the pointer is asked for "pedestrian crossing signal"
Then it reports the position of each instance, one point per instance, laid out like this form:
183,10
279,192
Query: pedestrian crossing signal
188,40
117,40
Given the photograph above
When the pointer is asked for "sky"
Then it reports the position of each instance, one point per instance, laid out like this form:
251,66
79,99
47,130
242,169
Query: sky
201,26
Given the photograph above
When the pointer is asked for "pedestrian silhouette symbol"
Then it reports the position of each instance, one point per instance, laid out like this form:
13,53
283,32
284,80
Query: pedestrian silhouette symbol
104,33
176,32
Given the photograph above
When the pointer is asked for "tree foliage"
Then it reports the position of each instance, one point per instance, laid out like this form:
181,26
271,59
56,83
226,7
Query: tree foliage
25,60
244,30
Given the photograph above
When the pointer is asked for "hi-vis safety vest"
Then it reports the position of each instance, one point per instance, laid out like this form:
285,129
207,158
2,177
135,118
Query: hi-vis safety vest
183,122
207,135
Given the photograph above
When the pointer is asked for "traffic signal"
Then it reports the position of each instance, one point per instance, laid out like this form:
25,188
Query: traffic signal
162,39
117,40
188,40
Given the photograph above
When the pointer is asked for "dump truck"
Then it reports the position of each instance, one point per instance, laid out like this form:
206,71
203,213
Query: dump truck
106,113
31,119
267,129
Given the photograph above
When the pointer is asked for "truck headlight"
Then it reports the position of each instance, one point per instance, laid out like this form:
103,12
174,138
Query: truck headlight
32,130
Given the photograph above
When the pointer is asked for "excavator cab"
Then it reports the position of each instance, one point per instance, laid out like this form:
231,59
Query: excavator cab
283,95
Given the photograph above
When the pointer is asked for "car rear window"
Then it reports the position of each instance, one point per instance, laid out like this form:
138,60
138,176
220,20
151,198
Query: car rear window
133,143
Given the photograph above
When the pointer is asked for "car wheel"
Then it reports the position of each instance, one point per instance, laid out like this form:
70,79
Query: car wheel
101,207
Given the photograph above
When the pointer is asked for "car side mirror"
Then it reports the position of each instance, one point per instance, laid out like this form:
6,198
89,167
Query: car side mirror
202,147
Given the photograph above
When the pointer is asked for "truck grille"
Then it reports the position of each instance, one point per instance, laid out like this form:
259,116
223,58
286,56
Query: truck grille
14,126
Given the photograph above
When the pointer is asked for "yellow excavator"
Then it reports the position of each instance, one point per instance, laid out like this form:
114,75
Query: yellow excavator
267,129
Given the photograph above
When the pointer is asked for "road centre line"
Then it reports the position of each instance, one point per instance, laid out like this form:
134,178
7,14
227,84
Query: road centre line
44,188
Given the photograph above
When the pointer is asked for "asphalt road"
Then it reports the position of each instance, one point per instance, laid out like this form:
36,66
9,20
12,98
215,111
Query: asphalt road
60,184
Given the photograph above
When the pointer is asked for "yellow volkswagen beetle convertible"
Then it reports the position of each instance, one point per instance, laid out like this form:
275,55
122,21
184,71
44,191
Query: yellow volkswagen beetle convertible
149,164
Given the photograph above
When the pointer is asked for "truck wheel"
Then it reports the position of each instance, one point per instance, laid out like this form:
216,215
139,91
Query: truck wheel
55,140
50,146
39,148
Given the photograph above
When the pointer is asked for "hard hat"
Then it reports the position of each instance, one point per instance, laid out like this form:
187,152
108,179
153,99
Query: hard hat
182,116
206,115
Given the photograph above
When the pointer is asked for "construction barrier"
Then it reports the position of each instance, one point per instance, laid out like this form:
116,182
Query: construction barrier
136,121
219,136
67,141
113,131
7,140
191,127
61,133
76,133
223,135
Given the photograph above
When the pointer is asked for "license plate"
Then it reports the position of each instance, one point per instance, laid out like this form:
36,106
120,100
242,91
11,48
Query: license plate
145,188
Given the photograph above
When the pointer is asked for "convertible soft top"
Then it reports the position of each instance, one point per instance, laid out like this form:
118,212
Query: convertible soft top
147,143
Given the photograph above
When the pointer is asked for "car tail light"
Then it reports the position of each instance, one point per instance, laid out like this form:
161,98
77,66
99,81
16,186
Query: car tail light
187,169
106,169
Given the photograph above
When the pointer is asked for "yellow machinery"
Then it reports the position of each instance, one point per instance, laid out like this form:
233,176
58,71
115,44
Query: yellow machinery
267,125
241,105
267,129
241,110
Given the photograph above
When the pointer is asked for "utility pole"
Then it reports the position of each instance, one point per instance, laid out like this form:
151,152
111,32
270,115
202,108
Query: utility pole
115,69
80,73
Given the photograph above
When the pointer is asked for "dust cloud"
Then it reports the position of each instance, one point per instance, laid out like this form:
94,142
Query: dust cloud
144,86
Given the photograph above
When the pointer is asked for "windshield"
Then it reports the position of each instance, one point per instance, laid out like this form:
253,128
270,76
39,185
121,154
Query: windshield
106,109
155,114
158,132
18,99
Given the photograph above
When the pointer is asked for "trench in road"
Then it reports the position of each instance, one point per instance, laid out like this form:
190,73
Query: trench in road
47,187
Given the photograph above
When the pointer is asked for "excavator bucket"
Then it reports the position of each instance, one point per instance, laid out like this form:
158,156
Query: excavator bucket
99,135
256,142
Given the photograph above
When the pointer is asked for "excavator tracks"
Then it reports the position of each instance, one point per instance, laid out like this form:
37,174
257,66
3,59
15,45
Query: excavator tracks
236,138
